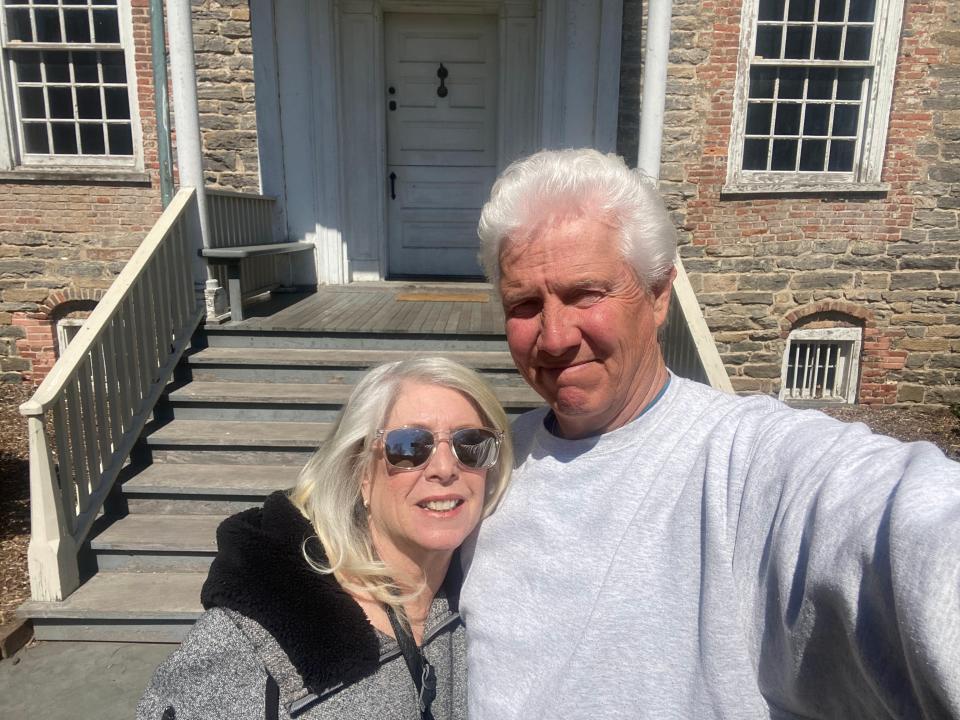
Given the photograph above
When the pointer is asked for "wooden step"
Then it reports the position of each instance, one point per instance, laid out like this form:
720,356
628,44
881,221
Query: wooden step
226,480
122,607
238,433
160,533
365,358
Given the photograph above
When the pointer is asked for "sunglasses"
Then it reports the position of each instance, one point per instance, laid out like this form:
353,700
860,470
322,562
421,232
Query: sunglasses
409,448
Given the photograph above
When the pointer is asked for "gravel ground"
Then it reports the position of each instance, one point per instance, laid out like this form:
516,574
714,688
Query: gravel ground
940,426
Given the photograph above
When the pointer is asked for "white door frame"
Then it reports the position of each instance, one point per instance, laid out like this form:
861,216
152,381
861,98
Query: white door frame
325,102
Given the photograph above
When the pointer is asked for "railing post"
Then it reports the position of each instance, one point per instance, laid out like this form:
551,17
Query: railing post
52,554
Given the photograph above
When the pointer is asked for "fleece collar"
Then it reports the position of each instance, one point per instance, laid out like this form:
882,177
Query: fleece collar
260,572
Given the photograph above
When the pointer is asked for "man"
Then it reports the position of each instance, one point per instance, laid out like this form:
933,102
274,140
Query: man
670,551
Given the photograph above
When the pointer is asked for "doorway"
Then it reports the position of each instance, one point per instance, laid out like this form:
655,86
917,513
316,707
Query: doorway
441,99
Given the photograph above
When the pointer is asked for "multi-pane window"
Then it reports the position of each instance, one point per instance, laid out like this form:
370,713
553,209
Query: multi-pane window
66,66
813,101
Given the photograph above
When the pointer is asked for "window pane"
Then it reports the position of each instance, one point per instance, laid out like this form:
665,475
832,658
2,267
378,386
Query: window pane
799,40
91,140
831,10
761,82
75,2
784,155
812,155
849,84
828,43
820,84
862,10
18,25
64,139
48,25
105,2
768,42
788,120
77,26
841,156
121,139
58,67
31,103
858,43
44,2
118,107
816,120
758,118
88,103
755,154
113,67
105,26
61,102
800,10
35,138
28,66
791,83
771,10
85,67
845,120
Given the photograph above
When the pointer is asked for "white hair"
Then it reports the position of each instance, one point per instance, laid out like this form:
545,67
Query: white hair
575,183
328,489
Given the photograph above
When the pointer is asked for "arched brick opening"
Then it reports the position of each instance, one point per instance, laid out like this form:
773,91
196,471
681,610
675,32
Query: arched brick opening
39,346
878,355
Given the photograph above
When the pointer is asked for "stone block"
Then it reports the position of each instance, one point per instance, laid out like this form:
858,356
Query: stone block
761,370
805,262
37,295
942,262
14,364
866,263
935,219
21,268
815,280
12,331
865,247
771,282
910,393
943,172
914,281
746,384
950,280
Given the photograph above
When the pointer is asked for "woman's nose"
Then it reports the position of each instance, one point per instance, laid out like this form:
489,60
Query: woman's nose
443,467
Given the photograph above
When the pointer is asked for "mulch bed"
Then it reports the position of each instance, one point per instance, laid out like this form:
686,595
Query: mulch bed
940,426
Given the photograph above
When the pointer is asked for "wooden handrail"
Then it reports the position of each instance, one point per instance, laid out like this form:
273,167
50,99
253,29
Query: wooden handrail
92,407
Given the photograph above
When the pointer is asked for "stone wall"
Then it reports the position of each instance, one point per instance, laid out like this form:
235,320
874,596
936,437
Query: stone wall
225,92
886,262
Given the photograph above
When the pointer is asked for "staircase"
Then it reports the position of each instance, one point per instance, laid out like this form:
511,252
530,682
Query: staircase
243,414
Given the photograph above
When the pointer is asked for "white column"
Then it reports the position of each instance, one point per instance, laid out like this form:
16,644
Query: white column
654,95
183,74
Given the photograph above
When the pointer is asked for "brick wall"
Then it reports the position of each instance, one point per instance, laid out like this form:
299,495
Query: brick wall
887,262
70,238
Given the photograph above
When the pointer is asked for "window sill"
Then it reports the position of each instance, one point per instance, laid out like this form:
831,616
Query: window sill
79,176
770,189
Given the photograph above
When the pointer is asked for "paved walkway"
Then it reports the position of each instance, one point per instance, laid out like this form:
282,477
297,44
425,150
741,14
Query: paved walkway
67,680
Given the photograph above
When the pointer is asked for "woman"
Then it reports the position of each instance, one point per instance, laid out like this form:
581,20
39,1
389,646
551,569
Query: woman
339,599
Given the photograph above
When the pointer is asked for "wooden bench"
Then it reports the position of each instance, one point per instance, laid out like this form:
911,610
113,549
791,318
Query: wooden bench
233,258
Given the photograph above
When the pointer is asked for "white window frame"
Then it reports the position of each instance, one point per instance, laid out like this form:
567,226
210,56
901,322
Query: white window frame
11,144
848,362
67,329
874,120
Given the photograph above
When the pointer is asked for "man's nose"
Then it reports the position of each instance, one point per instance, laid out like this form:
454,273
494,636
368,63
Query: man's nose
559,332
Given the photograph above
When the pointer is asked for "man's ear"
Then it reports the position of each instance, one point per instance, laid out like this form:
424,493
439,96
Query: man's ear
661,297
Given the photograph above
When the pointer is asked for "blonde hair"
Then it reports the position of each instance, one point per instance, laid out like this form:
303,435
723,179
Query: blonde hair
328,492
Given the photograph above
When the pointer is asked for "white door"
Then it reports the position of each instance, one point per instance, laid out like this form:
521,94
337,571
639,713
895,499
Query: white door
441,84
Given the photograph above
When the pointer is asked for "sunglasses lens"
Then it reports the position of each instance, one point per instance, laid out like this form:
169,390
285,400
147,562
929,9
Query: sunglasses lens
476,448
408,447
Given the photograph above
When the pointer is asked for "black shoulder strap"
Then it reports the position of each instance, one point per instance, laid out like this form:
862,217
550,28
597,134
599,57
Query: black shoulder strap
423,674
271,699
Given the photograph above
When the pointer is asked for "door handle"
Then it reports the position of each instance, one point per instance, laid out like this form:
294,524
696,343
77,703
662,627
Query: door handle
393,186
442,73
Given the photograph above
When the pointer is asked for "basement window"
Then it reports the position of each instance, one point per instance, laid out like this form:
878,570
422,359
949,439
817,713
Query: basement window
67,330
821,366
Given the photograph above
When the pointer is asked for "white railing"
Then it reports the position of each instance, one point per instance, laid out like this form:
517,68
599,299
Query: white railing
241,219
687,343
89,411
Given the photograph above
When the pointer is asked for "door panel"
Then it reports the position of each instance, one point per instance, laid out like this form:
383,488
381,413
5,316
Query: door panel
441,146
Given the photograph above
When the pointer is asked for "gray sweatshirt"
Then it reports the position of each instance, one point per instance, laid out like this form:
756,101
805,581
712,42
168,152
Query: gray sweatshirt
718,557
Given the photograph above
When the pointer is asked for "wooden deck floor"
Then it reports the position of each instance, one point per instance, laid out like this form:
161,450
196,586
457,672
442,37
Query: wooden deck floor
393,307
